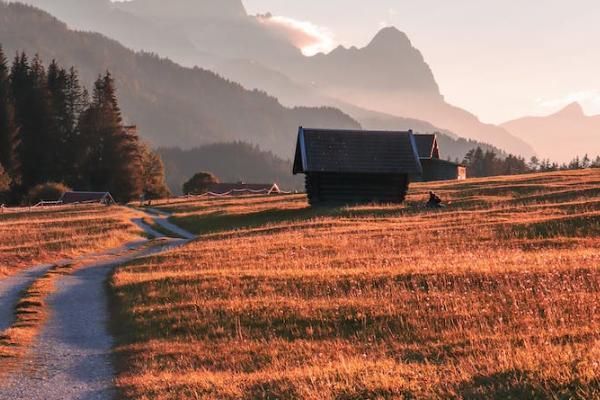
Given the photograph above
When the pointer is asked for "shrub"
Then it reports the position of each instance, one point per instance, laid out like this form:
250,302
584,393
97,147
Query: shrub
199,183
50,191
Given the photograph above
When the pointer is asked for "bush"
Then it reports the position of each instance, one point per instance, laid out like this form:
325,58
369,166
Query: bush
50,191
200,183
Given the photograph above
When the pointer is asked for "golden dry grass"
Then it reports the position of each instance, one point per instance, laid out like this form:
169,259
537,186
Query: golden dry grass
46,235
496,296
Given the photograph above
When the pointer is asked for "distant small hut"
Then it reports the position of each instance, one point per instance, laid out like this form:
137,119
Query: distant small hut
241,189
434,168
87,198
345,167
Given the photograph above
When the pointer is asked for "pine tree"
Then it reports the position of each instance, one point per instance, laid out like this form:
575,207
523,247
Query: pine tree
8,129
61,120
37,151
112,154
76,103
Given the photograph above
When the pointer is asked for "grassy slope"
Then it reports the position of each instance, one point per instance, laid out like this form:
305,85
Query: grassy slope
46,235
496,296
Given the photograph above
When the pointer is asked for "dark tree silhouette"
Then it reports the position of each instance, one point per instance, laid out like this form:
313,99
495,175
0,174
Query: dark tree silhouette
112,155
9,158
199,183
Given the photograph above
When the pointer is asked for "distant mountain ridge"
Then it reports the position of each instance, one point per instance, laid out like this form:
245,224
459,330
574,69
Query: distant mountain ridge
186,9
388,76
561,136
172,105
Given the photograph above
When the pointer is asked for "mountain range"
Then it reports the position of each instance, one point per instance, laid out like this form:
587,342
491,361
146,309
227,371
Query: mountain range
172,105
560,136
386,79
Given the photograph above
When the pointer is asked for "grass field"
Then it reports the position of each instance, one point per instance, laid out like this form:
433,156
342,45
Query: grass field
46,235
496,296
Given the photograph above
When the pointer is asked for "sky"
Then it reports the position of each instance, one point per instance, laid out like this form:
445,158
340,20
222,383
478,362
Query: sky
499,59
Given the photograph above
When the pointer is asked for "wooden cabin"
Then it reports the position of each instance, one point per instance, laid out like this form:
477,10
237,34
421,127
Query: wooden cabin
346,167
434,168
87,198
241,189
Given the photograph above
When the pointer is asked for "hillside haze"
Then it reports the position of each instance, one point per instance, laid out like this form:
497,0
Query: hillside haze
388,76
173,105
560,136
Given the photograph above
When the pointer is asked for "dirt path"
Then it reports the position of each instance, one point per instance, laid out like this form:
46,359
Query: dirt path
71,359
10,292
161,218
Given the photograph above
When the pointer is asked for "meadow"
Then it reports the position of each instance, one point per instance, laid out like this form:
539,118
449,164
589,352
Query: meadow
44,235
495,296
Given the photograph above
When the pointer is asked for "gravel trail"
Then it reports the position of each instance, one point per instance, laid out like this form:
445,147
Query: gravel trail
11,289
71,358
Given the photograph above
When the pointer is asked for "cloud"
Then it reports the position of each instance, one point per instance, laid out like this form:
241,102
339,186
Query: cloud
589,100
305,35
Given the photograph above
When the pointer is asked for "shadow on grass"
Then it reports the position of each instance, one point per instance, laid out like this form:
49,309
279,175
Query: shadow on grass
220,222
524,385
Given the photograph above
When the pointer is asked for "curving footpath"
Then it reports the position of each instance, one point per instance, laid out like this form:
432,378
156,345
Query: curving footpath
11,289
71,359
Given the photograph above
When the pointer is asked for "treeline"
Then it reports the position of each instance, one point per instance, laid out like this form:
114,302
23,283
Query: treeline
52,130
482,163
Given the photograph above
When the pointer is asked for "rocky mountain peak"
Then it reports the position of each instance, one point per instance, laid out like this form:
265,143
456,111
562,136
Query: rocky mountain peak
572,110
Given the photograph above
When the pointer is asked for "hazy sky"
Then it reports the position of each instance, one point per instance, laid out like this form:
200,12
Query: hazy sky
498,59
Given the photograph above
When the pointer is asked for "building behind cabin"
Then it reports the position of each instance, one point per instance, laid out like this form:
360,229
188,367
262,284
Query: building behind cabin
434,168
345,167
241,189
87,198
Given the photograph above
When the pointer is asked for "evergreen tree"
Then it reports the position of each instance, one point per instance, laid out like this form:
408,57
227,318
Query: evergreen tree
112,154
76,103
8,128
61,121
21,92
37,150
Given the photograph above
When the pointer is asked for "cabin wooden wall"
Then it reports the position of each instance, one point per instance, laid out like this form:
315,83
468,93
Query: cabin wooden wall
434,170
338,188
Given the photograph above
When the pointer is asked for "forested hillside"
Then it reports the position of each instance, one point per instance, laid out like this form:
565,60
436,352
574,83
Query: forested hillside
172,105
230,162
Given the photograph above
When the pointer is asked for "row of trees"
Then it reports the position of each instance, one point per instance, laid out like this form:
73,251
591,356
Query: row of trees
487,163
52,130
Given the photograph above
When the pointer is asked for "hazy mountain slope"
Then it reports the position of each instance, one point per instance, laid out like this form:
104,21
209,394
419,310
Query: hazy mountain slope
186,9
451,146
389,75
560,136
219,27
135,32
253,75
174,106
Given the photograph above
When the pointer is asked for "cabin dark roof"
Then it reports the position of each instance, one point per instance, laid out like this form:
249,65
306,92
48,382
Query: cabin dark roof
427,146
86,197
348,151
222,188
